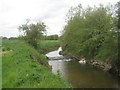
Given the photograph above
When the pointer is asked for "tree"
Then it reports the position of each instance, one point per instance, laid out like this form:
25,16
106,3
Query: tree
118,14
88,33
33,32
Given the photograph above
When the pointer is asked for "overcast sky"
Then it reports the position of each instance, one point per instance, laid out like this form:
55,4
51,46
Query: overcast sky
52,12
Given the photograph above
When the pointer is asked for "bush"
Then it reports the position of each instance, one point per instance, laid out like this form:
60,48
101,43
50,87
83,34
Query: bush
33,32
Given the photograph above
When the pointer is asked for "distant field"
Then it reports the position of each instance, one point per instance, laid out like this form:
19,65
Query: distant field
24,67
45,45
49,43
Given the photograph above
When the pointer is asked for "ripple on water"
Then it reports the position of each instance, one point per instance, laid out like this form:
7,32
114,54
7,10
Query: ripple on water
82,75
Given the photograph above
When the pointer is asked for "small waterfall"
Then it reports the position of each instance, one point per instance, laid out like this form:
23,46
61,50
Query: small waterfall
56,56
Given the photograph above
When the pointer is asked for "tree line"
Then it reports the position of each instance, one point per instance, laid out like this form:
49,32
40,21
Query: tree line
93,32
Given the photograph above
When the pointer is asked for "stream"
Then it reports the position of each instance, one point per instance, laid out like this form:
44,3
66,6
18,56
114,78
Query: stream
81,75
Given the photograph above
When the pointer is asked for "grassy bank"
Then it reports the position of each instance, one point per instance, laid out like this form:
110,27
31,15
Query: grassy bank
0,63
24,67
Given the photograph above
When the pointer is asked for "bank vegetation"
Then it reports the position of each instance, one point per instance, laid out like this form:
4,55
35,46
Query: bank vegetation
93,33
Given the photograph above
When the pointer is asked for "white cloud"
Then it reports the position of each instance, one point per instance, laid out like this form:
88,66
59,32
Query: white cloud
14,12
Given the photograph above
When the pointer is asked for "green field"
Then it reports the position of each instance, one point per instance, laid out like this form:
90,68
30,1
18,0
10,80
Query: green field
24,67
48,45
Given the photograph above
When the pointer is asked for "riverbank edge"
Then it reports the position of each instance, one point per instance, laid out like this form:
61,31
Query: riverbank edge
43,52
35,64
104,66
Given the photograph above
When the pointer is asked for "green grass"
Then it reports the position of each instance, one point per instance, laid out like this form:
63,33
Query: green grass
48,45
0,72
24,67
0,64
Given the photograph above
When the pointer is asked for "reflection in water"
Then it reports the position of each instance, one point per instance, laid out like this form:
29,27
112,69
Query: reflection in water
83,76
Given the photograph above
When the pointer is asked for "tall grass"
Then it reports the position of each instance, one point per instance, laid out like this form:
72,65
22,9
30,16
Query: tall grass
0,63
22,67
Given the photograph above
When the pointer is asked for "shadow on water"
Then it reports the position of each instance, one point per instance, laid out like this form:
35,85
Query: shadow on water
81,75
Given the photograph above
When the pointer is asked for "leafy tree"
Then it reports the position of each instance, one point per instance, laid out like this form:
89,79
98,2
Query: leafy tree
33,32
91,33
118,25
118,14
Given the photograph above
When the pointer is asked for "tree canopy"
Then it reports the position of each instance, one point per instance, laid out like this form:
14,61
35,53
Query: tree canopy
33,32
92,33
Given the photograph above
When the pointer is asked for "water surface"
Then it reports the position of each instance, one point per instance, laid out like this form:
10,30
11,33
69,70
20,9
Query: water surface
81,75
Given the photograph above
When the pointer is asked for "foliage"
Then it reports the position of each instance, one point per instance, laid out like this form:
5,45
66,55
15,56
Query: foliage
22,68
13,38
4,37
92,33
51,37
33,32
118,12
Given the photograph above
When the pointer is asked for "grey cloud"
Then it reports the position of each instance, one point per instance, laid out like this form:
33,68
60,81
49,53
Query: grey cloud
52,12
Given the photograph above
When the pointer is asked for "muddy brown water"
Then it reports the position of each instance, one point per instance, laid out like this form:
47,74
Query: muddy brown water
81,75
